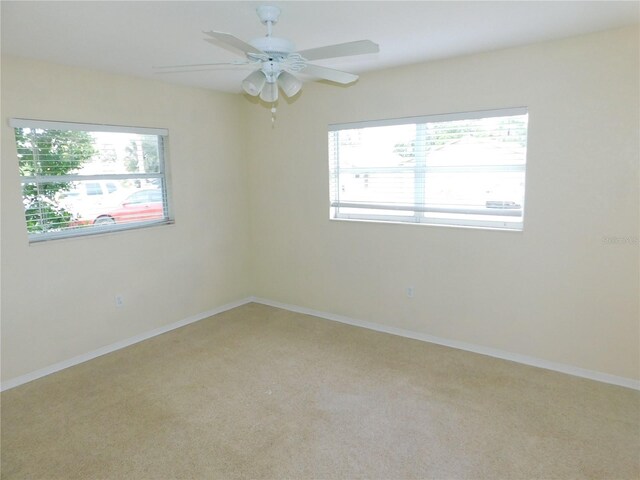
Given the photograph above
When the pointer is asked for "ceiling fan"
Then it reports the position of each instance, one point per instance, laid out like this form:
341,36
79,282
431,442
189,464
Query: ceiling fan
277,60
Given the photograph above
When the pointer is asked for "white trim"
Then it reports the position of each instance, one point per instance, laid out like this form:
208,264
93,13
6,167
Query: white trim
91,230
514,357
439,117
56,367
491,352
87,127
502,225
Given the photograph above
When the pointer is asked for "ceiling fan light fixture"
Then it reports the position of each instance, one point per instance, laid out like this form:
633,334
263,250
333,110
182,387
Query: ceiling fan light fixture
254,83
289,84
269,92
271,56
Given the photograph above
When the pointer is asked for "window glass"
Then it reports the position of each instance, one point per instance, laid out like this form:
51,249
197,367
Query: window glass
463,169
79,179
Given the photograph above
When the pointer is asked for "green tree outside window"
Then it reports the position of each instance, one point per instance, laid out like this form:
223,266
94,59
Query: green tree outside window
49,153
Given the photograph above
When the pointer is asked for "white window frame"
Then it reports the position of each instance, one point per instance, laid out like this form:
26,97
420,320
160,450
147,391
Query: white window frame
162,174
421,212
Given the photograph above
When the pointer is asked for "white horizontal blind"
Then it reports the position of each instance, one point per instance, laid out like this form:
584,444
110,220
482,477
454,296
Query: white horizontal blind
80,179
464,169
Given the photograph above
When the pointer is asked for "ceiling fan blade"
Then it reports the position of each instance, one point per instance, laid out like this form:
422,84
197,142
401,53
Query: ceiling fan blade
329,74
341,50
230,41
197,65
203,69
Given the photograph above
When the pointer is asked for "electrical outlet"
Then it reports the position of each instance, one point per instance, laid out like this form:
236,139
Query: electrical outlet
409,292
119,301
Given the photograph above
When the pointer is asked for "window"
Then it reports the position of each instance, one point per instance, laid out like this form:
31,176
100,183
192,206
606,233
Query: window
80,179
463,169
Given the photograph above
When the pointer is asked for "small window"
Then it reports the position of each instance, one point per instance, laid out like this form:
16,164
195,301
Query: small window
80,179
463,169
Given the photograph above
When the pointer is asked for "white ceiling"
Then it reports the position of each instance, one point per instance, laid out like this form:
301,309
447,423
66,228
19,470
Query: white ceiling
130,37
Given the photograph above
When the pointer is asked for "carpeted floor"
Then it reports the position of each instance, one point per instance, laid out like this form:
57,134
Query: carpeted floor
263,393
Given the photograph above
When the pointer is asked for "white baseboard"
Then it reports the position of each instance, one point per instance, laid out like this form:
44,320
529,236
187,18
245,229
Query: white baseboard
514,357
56,367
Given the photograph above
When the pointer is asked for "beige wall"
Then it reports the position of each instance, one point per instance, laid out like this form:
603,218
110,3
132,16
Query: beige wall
253,218
555,291
58,296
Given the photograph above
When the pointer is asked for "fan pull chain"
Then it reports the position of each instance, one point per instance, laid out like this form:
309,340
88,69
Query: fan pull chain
273,116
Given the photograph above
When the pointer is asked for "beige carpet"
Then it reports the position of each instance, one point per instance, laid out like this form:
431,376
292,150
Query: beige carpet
259,392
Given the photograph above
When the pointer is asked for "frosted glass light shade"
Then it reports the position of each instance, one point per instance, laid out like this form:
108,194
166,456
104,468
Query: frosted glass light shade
269,92
254,83
289,84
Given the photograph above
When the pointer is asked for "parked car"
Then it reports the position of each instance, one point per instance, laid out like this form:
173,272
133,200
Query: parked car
95,191
139,206
87,197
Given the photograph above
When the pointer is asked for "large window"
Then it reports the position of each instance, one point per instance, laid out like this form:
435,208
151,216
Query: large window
464,169
80,179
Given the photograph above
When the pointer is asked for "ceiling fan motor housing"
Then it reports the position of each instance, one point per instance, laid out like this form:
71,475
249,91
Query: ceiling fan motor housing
275,46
